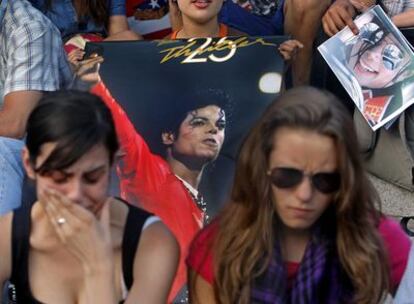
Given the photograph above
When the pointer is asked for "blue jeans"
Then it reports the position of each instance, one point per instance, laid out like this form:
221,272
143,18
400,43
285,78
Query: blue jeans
11,174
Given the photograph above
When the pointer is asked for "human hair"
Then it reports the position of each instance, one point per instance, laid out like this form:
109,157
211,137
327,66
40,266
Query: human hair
193,100
373,38
76,122
97,9
248,224
189,100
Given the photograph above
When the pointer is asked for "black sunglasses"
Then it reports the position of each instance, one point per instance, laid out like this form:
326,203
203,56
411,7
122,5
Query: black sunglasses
372,34
325,182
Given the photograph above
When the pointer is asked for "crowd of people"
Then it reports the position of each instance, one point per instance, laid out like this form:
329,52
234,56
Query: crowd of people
303,223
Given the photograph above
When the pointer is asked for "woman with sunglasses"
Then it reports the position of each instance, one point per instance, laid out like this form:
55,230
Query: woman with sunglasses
301,225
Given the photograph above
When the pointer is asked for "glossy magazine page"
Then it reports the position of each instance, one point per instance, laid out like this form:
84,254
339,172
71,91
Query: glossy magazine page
154,81
375,67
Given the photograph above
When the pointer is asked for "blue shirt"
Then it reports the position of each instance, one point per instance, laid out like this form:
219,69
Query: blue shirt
63,15
254,25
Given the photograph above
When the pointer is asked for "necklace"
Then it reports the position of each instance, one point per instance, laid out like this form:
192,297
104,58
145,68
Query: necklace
201,204
198,199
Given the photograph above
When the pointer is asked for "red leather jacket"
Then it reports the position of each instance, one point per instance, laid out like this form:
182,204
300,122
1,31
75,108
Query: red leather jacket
147,179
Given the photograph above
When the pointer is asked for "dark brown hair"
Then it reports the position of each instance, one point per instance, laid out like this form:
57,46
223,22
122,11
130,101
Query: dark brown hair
76,121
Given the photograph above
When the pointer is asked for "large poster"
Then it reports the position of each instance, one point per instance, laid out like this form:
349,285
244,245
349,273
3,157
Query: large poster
376,67
153,80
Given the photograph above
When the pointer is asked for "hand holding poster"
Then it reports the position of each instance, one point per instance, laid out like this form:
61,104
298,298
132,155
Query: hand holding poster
375,67
191,103
149,79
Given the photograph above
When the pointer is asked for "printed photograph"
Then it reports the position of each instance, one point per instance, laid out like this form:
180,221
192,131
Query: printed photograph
180,81
375,67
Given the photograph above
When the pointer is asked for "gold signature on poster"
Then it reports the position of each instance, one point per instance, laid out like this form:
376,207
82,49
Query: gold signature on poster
209,48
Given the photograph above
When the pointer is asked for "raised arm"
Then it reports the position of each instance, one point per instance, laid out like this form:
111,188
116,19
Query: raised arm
140,171
155,265
125,130
118,28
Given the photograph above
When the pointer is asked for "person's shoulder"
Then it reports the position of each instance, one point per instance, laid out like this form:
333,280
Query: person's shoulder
21,14
390,227
393,235
158,242
155,264
200,258
121,210
397,245
203,242
208,233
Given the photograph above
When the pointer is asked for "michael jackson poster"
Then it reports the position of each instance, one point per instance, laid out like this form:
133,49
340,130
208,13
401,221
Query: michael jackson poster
159,82
375,67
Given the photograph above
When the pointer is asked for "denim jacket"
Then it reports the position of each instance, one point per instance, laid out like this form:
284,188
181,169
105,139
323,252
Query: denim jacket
64,16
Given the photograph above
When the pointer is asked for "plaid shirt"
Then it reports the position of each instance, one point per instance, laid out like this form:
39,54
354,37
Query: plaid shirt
395,7
31,53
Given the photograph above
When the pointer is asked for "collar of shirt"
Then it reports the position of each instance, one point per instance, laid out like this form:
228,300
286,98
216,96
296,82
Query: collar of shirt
188,186
3,5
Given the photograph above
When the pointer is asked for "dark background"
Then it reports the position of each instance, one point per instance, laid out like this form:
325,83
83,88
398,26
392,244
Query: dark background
147,90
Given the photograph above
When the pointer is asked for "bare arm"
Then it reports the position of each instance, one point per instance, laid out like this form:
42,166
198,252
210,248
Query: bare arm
119,29
5,248
155,265
117,24
15,112
200,290
405,19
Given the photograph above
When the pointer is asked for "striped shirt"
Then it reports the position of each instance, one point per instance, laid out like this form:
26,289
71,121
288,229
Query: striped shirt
395,7
31,53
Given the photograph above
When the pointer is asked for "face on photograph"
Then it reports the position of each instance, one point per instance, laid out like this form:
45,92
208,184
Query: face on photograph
200,11
200,135
300,202
377,59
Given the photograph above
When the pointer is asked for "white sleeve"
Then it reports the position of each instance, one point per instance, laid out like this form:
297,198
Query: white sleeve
149,221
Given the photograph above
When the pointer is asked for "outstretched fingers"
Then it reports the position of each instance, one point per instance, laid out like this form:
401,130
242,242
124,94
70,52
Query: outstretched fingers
289,49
